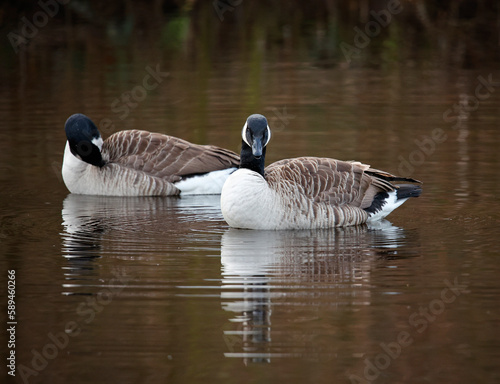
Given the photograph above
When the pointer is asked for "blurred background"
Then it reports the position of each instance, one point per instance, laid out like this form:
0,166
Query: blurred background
431,34
410,87
330,65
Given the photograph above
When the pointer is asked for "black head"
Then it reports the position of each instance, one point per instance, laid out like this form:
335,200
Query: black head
84,139
255,134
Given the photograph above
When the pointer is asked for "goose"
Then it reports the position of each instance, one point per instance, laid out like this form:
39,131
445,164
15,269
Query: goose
140,163
305,192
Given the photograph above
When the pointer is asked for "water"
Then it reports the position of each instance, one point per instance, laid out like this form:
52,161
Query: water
157,290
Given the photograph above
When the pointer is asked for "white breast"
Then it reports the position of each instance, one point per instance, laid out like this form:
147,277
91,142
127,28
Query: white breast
73,171
246,200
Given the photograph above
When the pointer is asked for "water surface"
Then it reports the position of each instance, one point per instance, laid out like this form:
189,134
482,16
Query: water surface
161,290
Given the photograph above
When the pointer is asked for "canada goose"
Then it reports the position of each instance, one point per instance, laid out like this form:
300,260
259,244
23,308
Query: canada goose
140,163
305,192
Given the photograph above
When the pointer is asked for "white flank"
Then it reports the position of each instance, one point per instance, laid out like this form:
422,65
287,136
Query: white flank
114,180
208,184
111,180
391,203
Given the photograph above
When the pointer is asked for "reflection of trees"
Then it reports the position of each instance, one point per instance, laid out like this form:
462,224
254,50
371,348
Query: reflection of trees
260,269
468,30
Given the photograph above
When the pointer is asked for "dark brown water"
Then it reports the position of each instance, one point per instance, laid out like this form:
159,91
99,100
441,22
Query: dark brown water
160,290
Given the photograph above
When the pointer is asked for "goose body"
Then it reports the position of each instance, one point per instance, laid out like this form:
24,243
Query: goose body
140,163
306,192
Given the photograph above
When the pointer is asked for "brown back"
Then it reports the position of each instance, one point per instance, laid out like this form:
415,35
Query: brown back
164,156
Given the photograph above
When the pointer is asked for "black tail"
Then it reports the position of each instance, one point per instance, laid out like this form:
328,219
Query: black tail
404,191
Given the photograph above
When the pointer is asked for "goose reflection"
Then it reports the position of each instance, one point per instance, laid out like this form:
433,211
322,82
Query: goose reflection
124,227
262,269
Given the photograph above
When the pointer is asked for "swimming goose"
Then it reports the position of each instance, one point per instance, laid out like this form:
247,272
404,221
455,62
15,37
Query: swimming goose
305,192
140,163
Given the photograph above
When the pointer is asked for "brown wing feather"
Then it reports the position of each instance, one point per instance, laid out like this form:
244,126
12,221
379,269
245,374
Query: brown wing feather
390,177
164,156
327,181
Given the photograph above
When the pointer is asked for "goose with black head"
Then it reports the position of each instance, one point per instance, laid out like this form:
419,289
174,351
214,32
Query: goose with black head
140,163
306,192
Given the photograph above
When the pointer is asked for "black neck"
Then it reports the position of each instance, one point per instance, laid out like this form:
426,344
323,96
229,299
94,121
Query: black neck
249,161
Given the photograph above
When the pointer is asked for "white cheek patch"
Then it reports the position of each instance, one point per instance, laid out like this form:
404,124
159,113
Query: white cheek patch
268,136
97,142
244,134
